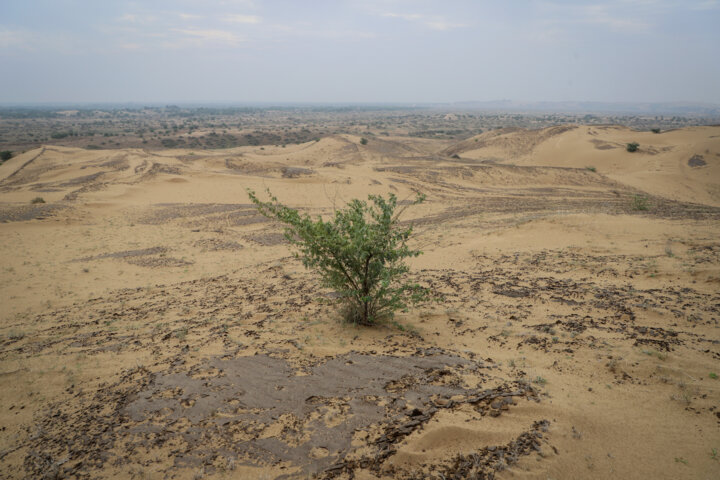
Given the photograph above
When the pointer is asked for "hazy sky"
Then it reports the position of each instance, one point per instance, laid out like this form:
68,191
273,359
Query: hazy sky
359,51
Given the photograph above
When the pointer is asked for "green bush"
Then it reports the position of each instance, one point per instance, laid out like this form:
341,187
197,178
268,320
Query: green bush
363,141
37,200
359,253
632,147
640,202
655,130
5,155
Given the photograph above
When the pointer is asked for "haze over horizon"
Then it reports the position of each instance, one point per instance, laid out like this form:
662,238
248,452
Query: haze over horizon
398,51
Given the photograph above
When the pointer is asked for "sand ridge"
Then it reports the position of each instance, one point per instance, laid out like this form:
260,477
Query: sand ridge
679,164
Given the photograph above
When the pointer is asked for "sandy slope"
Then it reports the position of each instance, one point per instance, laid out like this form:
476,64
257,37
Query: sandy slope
679,164
152,324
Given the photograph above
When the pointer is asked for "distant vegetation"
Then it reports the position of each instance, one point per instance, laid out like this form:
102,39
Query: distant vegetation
640,203
363,141
5,155
37,200
59,135
155,127
359,253
655,130
632,147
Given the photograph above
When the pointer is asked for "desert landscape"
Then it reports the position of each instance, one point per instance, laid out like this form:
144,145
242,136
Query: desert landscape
154,325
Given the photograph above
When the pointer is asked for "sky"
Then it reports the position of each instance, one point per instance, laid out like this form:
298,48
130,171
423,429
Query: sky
348,51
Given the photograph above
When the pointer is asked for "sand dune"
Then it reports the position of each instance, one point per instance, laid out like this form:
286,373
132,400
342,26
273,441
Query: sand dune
680,164
152,322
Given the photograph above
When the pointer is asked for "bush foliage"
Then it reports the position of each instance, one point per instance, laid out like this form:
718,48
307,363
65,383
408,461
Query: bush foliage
640,203
359,253
632,147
